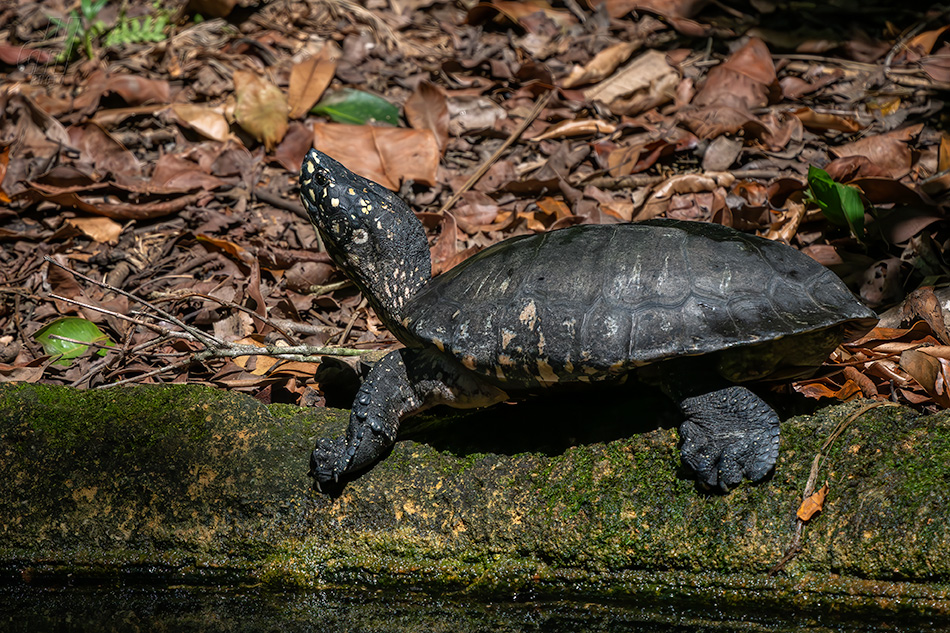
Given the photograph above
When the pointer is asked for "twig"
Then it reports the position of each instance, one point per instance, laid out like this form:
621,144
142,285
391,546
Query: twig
349,326
481,171
234,306
214,348
281,203
646,180
118,315
325,289
796,544
207,340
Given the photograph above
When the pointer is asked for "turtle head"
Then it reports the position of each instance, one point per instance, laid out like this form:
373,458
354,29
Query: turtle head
371,234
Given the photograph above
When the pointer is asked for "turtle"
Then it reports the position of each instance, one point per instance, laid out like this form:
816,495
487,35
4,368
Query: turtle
695,308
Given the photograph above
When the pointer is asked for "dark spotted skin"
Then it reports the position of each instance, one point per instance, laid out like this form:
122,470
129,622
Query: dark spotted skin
689,306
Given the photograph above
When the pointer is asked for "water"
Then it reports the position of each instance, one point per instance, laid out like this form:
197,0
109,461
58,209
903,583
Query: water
249,609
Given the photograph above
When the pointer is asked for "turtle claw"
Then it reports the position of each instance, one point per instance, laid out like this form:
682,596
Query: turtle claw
729,435
325,461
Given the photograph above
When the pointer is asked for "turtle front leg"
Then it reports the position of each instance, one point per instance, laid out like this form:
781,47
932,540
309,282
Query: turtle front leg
402,383
729,434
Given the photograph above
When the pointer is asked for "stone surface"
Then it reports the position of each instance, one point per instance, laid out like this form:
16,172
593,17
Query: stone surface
182,485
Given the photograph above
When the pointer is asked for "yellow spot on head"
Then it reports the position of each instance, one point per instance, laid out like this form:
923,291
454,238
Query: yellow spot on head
468,361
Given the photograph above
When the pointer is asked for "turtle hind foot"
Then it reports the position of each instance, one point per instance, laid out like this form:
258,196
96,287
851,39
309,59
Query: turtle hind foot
325,461
729,434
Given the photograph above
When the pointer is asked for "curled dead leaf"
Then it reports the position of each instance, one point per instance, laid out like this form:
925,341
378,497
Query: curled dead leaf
260,108
208,122
427,109
310,78
100,229
646,82
601,66
813,504
933,374
572,128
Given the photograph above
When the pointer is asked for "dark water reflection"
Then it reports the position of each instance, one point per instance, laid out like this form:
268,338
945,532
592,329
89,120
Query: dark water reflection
246,610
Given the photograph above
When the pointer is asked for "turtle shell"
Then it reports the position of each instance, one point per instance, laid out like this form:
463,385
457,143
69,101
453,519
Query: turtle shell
594,302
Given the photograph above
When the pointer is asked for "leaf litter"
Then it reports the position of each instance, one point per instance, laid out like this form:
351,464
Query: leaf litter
159,163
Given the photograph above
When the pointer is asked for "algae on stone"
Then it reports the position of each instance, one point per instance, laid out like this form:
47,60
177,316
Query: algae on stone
198,485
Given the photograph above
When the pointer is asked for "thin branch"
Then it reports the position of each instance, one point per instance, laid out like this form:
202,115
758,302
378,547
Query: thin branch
235,306
210,341
481,171
796,546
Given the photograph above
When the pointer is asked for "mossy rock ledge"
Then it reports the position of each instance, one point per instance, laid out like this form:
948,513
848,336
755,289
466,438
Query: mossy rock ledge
179,485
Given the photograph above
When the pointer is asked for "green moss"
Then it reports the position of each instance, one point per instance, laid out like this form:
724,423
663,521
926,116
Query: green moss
204,484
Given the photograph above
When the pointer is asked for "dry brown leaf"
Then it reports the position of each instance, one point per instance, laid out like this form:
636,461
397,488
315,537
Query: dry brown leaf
121,210
574,128
646,82
107,154
813,504
297,142
662,195
601,66
446,246
208,122
821,122
554,207
213,8
890,151
666,8
922,44
937,351
518,12
310,78
137,91
822,388
474,211
868,389
943,160
930,372
924,304
174,173
743,81
385,155
427,109
229,247
100,229
31,371
472,113
260,108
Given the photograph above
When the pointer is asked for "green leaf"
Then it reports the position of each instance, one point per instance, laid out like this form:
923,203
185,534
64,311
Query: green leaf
840,203
90,10
356,106
72,328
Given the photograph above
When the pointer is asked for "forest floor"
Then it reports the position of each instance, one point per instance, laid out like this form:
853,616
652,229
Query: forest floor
148,159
